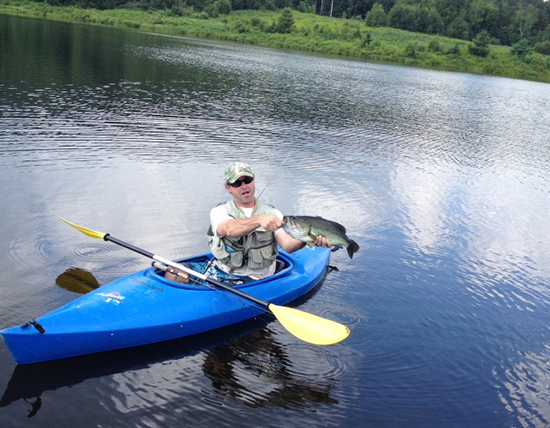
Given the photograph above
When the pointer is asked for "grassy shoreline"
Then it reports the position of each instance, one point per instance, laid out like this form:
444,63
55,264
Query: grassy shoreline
312,33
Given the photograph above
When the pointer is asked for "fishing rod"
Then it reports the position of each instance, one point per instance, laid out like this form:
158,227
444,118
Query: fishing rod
273,176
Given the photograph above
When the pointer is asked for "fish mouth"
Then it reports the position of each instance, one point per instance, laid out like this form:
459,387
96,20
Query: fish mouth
288,221
293,228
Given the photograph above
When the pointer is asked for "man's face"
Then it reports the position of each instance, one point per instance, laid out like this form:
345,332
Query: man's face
244,194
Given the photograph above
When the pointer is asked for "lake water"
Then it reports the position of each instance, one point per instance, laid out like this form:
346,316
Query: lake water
442,178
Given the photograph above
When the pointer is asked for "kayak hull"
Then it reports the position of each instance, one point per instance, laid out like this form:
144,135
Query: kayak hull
144,308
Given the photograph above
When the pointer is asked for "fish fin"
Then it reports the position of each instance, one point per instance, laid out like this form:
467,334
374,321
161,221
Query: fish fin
353,247
341,227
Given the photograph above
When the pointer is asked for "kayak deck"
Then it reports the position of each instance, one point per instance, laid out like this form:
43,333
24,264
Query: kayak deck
144,308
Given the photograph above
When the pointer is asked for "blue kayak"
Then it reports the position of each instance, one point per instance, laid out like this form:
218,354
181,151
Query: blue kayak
144,308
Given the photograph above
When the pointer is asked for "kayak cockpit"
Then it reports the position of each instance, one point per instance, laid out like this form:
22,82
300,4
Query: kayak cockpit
202,263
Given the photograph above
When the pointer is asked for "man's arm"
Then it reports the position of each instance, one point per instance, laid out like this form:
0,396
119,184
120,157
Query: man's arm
290,244
243,226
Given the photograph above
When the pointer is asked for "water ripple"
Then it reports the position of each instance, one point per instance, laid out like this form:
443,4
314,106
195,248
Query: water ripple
90,252
25,248
442,178
524,389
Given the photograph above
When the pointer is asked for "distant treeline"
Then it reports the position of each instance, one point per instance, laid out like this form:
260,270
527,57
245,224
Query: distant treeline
506,22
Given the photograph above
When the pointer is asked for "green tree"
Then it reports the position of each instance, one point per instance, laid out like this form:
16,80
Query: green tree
507,21
377,16
212,10
480,46
285,24
224,7
402,16
458,29
482,15
525,19
428,20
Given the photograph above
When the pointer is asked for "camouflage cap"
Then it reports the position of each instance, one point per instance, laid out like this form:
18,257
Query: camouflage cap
235,171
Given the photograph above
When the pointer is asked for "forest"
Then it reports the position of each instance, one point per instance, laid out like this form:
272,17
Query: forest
524,24
474,36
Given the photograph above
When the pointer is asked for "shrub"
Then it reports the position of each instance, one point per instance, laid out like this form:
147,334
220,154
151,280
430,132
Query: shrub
240,27
410,51
522,49
543,47
480,46
434,46
257,22
366,41
453,50
478,50
201,15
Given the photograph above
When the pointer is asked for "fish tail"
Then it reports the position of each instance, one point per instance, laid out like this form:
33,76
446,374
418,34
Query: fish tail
352,248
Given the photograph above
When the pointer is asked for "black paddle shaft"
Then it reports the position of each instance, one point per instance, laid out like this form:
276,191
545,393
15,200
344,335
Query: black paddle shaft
226,287
108,237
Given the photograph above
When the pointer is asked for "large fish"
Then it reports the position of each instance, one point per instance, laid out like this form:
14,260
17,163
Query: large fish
306,229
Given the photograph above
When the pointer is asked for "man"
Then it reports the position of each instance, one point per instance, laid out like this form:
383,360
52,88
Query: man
245,232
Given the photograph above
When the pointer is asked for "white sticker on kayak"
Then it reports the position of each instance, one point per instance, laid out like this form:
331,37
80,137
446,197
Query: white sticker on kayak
114,297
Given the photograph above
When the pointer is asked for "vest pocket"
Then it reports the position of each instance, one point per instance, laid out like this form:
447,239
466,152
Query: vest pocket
236,259
261,257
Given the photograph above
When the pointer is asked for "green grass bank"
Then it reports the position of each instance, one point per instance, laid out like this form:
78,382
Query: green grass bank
310,33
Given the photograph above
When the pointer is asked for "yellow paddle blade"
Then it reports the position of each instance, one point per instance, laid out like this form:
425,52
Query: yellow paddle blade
310,328
88,232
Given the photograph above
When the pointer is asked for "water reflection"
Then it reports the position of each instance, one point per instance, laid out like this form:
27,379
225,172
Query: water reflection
77,280
524,389
253,368
257,371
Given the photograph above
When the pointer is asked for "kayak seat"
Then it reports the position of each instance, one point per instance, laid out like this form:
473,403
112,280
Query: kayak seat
279,266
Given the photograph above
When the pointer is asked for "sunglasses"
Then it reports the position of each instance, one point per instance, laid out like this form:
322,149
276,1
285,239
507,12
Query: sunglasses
238,183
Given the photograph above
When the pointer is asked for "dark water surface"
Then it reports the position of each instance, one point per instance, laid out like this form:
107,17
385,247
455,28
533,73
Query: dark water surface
442,178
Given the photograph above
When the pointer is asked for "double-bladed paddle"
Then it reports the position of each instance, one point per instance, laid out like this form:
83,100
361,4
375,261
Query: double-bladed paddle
307,327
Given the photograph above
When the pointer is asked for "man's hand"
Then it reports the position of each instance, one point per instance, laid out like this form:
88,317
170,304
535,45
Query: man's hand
181,276
243,226
321,241
269,222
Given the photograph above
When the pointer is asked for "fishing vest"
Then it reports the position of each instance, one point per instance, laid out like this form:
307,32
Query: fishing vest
256,250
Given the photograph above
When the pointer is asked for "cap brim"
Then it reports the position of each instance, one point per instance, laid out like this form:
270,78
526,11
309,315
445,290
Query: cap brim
244,174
